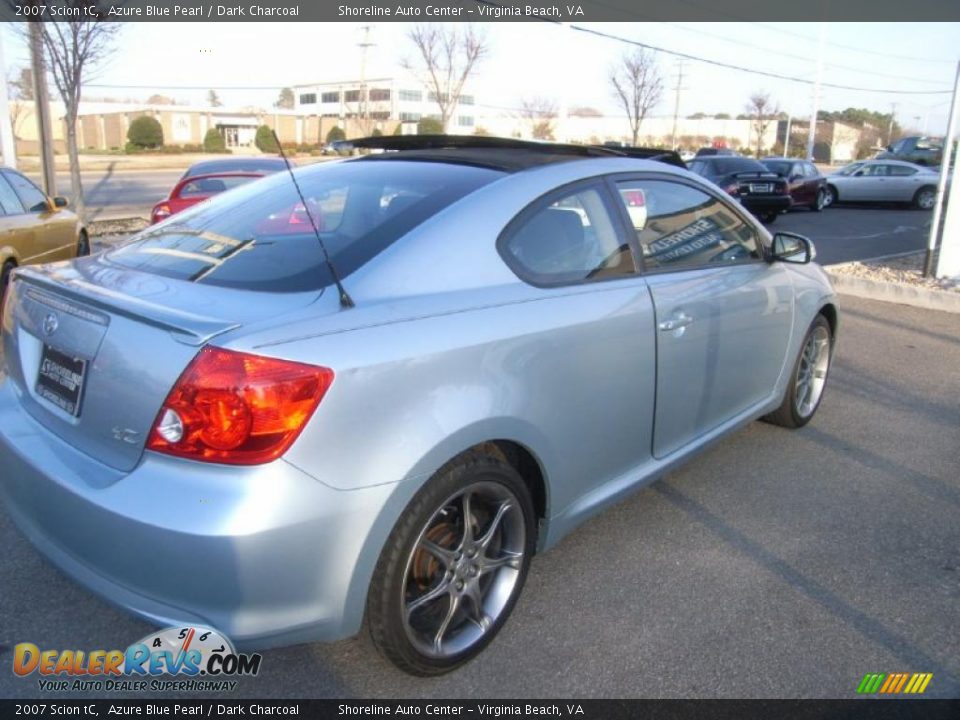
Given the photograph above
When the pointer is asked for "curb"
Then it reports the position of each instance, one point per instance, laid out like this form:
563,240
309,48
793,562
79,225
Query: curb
942,300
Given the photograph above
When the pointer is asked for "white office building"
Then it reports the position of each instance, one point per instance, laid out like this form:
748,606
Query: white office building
386,99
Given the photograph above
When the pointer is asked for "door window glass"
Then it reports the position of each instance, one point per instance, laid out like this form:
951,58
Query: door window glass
682,227
29,194
9,202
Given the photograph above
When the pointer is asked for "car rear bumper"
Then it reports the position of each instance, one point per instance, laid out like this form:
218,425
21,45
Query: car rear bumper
765,203
267,555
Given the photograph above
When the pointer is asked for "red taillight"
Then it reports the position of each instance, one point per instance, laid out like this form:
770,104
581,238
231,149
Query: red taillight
733,189
231,407
160,212
634,198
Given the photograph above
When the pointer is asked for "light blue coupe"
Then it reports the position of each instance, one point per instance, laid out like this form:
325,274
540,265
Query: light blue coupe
374,393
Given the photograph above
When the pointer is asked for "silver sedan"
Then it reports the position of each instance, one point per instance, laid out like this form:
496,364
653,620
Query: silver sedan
373,394
884,181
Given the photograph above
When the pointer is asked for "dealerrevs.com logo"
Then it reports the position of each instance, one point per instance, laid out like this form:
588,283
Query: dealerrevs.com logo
201,658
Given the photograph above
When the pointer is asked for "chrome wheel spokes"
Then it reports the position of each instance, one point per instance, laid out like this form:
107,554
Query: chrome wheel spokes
463,569
812,373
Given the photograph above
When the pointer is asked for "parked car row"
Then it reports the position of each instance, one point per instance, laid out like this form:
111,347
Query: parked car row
771,186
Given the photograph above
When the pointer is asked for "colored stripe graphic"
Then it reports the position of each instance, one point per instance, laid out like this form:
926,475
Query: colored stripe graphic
894,683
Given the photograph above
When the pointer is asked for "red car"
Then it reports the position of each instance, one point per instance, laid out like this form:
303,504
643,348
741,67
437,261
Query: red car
197,188
807,187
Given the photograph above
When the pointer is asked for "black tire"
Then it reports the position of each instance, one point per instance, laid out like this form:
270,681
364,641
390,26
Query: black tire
8,267
769,218
832,196
925,198
788,415
389,615
820,202
83,244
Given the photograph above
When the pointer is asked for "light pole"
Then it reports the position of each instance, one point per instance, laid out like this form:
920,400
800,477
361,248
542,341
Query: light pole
949,261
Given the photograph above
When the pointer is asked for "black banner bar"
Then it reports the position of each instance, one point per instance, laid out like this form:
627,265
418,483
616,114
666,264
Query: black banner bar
887,709
480,11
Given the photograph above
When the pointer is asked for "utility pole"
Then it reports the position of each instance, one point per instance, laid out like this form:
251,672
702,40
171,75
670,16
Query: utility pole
949,258
7,142
364,99
786,137
893,119
676,104
812,137
41,103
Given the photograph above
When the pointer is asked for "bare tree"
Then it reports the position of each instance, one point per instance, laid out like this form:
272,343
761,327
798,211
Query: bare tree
637,84
447,56
73,50
540,113
762,111
213,100
285,100
20,90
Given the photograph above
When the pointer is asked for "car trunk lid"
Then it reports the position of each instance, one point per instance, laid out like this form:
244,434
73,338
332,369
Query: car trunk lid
93,349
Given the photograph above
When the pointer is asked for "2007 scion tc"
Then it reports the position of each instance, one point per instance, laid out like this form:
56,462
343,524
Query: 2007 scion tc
213,423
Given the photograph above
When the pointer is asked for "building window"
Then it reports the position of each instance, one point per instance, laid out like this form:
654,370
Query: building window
379,95
330,97
308,99
351,96
411,95
380,115
465,121
466,99
432,97
409,117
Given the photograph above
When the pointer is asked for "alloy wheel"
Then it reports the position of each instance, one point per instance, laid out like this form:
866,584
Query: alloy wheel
926,199
812,371
463,569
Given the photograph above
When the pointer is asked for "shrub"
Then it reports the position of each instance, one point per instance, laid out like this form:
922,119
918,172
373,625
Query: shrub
429,126
265,141
145,132
213,142
336,134
398,130
377,132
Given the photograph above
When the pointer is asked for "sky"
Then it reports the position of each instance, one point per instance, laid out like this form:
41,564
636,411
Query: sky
556,62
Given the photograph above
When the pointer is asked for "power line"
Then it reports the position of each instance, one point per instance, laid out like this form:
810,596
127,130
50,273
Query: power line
879,53
781,53
754,71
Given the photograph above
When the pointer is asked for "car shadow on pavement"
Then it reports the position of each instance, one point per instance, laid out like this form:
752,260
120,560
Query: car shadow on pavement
90,196
834,604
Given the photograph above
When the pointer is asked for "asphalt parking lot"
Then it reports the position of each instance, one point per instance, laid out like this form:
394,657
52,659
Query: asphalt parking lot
775,564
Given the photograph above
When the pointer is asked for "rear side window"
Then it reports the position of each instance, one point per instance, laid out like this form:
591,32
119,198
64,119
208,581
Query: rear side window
901,170
29,194
260,236
680,227
567,240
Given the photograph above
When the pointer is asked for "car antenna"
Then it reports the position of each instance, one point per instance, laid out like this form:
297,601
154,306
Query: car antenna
345,300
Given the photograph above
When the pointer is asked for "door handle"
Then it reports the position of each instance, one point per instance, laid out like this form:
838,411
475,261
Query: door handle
675,323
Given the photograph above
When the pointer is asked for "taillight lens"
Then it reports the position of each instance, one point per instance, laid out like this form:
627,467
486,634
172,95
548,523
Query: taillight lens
160,212
236,408
733,189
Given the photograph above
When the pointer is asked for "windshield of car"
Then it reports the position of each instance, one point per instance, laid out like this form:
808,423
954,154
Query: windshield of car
260,236
780,167
208,167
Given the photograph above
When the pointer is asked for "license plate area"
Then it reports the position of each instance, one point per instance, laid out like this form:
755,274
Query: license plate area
60,379
760,188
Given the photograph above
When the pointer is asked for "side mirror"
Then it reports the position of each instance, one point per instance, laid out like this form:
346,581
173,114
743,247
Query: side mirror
792,248
60,202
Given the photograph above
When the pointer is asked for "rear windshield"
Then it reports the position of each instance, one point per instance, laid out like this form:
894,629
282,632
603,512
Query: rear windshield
260,237
264,165
729,165
780,167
